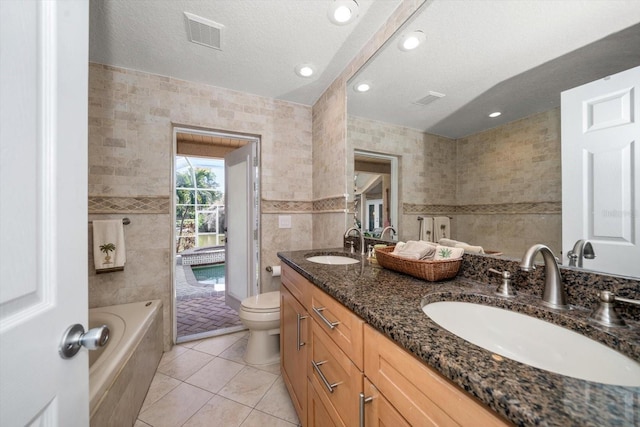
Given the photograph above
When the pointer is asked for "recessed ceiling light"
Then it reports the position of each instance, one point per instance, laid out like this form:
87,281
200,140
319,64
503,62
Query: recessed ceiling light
362,87
304,70
411,41
495,114
343,12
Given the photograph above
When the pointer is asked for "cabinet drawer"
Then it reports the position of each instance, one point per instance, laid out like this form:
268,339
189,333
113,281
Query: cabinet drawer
299,287
420,394
341,325
334,377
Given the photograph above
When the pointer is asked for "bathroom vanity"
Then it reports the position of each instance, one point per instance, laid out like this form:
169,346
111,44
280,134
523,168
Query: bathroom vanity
357,349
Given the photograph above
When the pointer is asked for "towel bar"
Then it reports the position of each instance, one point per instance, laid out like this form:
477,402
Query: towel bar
125,221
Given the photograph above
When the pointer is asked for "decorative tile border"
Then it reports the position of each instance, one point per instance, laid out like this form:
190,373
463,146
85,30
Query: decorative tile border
488,209
281,206
331,204
412,209
511,208
132,205
162,205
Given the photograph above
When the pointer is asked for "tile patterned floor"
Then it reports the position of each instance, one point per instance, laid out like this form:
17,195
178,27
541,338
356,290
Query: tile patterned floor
198,315
206,383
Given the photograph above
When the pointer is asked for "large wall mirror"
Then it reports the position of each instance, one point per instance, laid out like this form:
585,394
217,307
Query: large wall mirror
498,178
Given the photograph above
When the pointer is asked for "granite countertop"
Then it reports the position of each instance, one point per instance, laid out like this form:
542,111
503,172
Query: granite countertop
392,303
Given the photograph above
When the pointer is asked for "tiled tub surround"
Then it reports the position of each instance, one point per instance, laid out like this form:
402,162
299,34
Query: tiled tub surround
391,303
137,356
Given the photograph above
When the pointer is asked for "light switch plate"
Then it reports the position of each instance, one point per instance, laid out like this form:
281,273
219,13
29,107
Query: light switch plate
284,221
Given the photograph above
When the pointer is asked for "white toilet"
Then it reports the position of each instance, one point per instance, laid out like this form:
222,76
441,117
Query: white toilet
261,315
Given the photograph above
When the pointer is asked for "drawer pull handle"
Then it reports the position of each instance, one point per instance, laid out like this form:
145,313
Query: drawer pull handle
327,322
327,384
363,400
298,343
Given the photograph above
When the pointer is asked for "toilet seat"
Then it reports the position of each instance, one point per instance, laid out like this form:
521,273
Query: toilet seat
263,303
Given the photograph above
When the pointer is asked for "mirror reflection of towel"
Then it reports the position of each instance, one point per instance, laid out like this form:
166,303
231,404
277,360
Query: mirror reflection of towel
441,228
108,246
426,229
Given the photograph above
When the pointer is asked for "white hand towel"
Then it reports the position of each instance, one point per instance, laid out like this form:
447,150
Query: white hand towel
398,247
108,246
450,242
470,249
426,229
445,252
441,227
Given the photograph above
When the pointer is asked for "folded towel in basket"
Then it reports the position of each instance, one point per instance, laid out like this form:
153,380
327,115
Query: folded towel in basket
471,249
448,253
398,247
450,242
416,250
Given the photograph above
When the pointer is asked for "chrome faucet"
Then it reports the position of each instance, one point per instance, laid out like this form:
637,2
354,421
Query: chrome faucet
348,232
581,250
360,234
554,294
384,230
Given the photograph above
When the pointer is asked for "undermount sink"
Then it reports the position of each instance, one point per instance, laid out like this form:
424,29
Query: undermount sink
535,342
332,260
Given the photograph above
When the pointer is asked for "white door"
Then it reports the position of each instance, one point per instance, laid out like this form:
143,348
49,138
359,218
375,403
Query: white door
43,210
241,216
601,171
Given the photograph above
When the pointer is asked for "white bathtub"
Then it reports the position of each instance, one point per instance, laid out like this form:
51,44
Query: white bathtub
128,325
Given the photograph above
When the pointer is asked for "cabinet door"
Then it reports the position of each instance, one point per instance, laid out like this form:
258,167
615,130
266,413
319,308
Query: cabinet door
334,376
420,394
321,414
378,412
294,329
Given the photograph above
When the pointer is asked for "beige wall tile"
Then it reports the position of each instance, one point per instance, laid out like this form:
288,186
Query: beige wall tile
516,163
131,115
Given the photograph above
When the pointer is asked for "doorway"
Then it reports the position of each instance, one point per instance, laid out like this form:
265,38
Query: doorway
200,253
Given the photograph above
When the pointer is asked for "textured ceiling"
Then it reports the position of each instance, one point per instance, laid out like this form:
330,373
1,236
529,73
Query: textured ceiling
514,56
263,41
497,55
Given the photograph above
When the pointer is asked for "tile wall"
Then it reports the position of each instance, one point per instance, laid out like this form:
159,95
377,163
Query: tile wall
426,169
131,117
509,186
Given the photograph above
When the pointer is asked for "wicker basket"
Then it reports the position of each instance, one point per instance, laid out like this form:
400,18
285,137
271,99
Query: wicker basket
432,271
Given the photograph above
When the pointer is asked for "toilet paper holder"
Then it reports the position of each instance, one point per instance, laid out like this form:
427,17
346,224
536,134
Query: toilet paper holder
274,270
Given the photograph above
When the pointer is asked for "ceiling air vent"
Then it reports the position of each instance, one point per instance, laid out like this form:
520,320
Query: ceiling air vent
433,96
203,31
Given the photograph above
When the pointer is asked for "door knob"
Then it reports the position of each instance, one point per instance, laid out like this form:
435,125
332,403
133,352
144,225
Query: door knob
75,337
